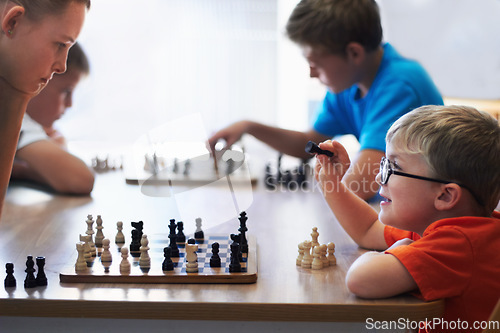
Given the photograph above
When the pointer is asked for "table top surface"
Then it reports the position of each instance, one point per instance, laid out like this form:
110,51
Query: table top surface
39,223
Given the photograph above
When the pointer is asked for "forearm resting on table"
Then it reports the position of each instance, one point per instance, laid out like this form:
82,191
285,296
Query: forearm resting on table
379,275
49,164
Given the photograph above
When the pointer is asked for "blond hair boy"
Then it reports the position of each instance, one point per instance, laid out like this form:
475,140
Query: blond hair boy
437,225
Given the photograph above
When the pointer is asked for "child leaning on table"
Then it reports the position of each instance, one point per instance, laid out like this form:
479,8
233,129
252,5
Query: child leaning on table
35,37
437,226
41,151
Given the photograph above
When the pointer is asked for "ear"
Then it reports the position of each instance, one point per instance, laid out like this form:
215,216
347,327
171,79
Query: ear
355,52
448,196
10,19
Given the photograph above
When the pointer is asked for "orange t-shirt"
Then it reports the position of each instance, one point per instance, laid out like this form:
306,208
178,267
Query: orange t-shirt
456,259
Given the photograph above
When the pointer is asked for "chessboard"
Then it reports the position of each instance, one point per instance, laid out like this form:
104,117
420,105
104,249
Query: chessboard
198,171
206,274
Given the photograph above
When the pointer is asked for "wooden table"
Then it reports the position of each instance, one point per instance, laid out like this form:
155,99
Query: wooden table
42,224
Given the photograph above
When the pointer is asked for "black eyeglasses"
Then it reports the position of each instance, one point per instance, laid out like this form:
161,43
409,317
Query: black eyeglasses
386,171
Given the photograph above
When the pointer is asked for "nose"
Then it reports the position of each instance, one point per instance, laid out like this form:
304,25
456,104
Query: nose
60,64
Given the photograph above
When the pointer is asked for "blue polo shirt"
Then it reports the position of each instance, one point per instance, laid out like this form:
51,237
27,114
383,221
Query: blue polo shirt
400,86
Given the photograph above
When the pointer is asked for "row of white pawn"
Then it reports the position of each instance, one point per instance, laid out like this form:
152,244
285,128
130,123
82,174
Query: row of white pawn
313,255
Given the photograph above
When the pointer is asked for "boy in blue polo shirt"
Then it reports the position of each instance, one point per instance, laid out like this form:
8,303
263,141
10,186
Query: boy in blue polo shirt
369,86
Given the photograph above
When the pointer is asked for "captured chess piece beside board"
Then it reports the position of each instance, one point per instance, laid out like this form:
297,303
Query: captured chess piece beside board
30,281
316,256
155,169
163,258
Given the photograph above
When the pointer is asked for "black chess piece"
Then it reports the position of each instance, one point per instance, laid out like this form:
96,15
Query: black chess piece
313,148
135,244
138,226
199,234
30,281
181,238
168,264
172,236
243,229
235,265
41,278
215,258
10,280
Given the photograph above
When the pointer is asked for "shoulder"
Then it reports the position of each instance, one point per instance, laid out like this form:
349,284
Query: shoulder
31,131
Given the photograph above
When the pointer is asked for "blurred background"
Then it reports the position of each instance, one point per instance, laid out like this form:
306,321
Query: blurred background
157,61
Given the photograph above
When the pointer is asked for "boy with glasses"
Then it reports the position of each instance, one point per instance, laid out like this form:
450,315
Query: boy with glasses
437,225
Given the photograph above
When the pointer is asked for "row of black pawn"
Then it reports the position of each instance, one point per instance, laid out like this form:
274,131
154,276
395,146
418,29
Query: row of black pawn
30,281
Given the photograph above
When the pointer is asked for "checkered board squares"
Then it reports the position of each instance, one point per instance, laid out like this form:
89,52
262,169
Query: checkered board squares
155,274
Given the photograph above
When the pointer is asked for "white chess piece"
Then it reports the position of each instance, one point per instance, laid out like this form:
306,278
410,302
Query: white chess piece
87,252
322,255
106,257
307,260
125,263
331,254
81,264
314,235
191,258
301,254
99,236
120,237
144,259
317,263
90,232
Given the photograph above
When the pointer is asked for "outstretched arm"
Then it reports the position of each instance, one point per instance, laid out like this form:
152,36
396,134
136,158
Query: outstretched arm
286,141
46,162
357,217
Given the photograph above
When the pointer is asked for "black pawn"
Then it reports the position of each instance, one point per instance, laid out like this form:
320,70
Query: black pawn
181,238
235,265
30,281
168,264
215,259
41,278
10,280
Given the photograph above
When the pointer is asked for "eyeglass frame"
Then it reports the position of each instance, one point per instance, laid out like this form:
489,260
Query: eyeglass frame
390,171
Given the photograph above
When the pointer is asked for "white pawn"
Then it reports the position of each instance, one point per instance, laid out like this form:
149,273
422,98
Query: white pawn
144,259
191,258
124,264
322,255
120,237
317,263
301,254
81,264
87,252
331,255
106,257
307,260
99,236
314,236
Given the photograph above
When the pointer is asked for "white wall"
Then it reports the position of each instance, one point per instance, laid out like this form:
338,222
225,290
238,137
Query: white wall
229,59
